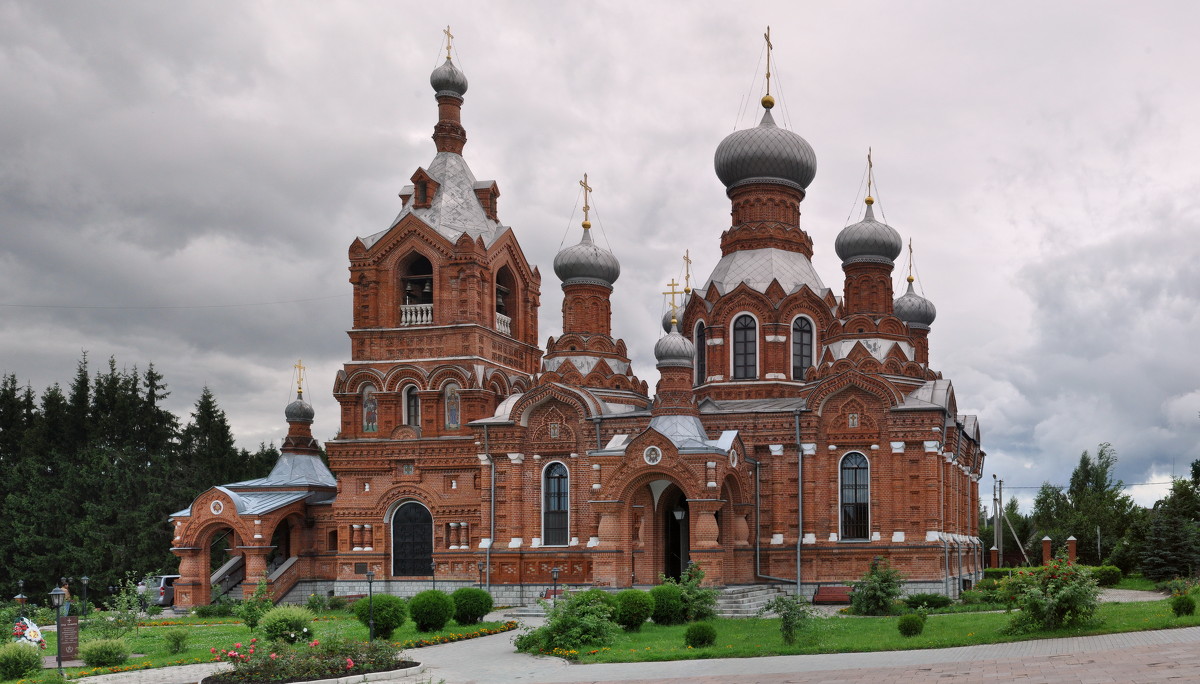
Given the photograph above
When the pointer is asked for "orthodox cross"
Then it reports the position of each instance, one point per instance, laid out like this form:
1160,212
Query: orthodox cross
586,189
687,272
450,37
672,292
767,37
299,376
870,172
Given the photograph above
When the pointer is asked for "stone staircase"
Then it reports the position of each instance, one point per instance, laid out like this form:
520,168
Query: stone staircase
745,601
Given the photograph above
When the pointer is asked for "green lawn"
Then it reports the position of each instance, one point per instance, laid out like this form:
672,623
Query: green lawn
1135,581
203,635
748,638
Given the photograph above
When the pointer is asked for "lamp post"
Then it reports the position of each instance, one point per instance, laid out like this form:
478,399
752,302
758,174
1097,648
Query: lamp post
680,513
85,579
554,592
433,573
371,604
56,599
21,598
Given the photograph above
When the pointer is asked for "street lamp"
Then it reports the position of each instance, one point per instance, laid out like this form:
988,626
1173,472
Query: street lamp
554,592
57,595
433,573
85,579
371,604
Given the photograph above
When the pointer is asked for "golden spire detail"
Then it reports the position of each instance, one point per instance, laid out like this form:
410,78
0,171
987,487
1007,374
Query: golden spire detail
587,224
673,292
687,272
299,377
870,178
449,38
768,101
910,261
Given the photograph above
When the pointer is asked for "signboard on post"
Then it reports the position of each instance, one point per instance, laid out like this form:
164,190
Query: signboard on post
68,637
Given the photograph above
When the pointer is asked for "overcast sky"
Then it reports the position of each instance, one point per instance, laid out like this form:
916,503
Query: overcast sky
180,182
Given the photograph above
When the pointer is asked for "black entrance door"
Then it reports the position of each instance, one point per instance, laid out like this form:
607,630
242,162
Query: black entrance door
412,540
676,537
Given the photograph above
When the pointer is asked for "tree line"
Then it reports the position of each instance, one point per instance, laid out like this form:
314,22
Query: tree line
1161,542
91,473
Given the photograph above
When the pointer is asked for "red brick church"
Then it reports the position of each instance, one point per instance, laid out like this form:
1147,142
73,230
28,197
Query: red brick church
792,428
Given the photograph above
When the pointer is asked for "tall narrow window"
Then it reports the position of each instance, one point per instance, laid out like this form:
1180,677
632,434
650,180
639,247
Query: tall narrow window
452,407
745,348
554,505
701,355
802,347
370,409
856,493
412,407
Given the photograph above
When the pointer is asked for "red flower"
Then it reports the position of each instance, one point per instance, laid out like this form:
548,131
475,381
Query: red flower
349,663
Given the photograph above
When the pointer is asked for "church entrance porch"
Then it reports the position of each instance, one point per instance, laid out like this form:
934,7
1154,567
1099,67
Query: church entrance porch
412,541
675,549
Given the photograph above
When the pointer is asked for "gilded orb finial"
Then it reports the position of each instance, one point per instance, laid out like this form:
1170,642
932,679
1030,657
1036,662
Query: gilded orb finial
768,102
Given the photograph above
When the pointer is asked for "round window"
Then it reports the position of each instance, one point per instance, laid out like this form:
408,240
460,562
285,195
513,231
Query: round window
733,458
652,455
216,507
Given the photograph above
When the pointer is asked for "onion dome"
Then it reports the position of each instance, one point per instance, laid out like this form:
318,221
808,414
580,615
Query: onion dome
587,263
674,350
765,154
448,80
868,240
299,411
673,314
914,309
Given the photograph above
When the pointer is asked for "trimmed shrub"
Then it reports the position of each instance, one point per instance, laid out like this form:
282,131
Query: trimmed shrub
699,635
337,603
668,605
1183,605
1059,595
152,610
431,610
214,610
390,613
18,659
176,639
470,605
288,624
1107,575
634,607
575,621
915,601
878,589
104,652
596,594
911,625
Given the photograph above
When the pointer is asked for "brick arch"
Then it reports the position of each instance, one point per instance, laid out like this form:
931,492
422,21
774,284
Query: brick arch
393,497
400,376
741,298
206,530
362,376
525,406
442,375
881,389
805,302
626,481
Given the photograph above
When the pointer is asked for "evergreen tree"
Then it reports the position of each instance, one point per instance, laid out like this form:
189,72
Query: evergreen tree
1093,499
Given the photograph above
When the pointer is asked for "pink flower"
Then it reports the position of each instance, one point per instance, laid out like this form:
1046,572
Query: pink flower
252,649
254,641
237,645
213,649
349,663
274,656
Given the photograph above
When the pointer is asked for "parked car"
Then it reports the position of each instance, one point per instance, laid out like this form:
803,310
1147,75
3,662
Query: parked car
160,590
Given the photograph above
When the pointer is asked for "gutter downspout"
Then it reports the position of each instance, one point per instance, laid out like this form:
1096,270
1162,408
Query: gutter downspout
492,516
946,558
758,525
799,499
599,443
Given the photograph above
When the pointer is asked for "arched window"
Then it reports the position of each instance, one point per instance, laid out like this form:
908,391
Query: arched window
453,407
745,348
856,496
370,409
554,505
417,283
802,347
412,406
701,355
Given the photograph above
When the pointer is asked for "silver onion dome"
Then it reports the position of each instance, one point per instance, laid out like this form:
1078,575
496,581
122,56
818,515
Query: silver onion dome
674,350
868,240
448,80
673,313
299,411
587,262
765,154
914,309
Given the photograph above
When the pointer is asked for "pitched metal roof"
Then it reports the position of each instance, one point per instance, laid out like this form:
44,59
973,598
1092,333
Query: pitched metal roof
758,267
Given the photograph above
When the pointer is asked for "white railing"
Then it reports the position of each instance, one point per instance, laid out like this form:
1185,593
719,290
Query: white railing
504,324
416,314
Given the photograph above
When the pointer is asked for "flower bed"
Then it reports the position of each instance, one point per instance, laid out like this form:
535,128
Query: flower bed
451,638
281,663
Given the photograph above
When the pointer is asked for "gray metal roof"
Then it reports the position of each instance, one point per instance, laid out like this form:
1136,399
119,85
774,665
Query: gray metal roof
685,432
934,394
586,262
765,153
914,309
674,350
758,267
454,208
585,363
294,470
753,405
868,238
448,80
257,503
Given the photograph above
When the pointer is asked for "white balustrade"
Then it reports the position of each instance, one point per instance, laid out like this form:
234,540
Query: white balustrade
416,314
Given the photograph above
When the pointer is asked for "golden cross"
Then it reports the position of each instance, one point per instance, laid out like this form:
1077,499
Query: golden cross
449,37
687,272
586,189
870,171
767,36
673,291
299,376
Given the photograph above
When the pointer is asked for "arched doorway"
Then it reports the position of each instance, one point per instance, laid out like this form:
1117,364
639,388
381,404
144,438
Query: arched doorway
675,519
226,567
412,541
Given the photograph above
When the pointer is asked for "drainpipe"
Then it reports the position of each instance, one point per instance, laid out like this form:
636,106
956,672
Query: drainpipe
799,499
492,516
596,421
946,558
958,545
758,525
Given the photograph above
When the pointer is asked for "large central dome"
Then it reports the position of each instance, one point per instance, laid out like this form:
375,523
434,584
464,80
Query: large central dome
765,154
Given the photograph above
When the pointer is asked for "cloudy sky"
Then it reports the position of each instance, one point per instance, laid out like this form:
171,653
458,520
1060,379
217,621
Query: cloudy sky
179,183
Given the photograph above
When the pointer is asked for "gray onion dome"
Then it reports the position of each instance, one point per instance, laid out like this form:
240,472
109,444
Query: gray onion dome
448,80
587,262
673,313
765,154
868,240
914,309
299,411
674,350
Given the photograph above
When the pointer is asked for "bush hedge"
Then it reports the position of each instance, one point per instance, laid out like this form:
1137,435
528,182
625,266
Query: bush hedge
634,607
915,601
104,652
470,605
431,610
668,605
390,613
1183,605
699,635
16,660
1107,575
911,625
575,621
288,624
